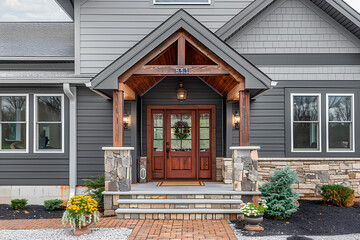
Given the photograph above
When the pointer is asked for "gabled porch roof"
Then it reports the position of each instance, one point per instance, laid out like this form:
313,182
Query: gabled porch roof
108,79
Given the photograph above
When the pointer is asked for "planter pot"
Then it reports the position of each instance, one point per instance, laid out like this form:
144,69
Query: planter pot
84,230
253,223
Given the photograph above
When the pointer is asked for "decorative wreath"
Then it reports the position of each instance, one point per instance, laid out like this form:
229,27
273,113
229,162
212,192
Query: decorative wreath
181,130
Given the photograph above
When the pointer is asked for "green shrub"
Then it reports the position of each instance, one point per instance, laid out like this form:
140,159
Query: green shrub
278,194
95,187
337,195
51,205
18,203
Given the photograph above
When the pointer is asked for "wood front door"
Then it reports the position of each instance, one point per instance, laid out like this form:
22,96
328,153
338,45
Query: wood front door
181,143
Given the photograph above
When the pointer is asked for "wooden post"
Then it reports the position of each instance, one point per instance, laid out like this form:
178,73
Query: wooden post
118,118
244,111
181,51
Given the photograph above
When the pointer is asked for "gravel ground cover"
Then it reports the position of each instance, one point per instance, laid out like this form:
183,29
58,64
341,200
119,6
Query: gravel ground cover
312,220
65,234
30,212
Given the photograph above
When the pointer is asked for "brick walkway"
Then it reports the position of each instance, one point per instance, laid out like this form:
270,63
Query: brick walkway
143,229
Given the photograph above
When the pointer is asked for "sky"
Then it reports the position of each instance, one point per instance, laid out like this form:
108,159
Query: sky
48,10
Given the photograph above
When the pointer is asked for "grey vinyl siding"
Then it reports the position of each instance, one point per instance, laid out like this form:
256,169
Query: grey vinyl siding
199,93
95,130
267,124
109,28
270,124
294,26
35,168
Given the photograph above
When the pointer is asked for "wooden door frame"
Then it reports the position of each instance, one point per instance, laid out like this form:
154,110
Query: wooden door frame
149,126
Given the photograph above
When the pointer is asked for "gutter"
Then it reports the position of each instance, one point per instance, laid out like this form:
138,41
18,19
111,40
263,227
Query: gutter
70,92
88,85
272,85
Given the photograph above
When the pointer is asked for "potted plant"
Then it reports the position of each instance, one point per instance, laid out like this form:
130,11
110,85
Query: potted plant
80,213
254,215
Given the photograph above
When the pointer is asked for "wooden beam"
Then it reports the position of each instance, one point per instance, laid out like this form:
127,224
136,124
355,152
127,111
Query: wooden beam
118,121
129,94
170,70
244,111
234,93
181,51
162,47
199,46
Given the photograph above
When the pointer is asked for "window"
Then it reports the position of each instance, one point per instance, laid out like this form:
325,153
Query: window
305,123
14,120
182,1
340,118
49,119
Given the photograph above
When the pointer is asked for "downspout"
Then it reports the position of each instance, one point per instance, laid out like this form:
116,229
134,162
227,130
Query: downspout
71,94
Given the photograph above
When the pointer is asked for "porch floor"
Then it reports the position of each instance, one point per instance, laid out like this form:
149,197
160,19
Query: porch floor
213,188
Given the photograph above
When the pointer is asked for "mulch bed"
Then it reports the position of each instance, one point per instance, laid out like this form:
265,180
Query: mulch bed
312,218
30,212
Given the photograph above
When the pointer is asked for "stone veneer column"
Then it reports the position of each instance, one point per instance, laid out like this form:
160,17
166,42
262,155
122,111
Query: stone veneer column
117,162
245,168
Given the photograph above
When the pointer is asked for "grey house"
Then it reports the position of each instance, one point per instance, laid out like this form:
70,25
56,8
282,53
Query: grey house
173,85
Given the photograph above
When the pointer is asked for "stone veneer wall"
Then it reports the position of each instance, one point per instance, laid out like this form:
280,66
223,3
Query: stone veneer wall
314,173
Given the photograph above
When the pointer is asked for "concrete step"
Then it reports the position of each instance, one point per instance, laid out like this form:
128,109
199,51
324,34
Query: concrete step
180,201
175,210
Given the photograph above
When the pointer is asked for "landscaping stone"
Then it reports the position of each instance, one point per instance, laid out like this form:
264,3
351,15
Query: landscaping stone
314,174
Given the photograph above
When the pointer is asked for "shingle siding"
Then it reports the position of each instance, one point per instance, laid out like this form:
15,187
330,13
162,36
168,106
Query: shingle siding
314,72
294,27
109,28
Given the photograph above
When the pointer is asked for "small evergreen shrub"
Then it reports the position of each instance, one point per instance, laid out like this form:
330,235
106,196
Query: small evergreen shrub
337,195
18,204
95,187
278,194
51,205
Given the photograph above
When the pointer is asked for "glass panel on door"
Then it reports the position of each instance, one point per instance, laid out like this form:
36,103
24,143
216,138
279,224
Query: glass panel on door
204,132
158,145
181,137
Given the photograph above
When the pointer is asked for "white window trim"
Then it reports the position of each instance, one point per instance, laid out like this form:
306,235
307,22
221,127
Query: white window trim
292,121
26,123
352,95
36,125
182,3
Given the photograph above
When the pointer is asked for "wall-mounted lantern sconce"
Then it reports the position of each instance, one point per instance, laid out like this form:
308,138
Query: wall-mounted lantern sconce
126,120
236,120
181,93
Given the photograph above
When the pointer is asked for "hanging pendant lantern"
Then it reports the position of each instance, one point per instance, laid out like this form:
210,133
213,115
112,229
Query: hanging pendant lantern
181,93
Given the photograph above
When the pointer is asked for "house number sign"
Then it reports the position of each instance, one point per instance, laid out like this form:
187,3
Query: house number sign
181,70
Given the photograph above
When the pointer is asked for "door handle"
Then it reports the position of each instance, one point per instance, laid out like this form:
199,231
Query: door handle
167,152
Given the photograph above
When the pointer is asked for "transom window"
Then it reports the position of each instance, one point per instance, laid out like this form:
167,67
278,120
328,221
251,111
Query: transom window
182,1
305,122
340,118
14,123
49,123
